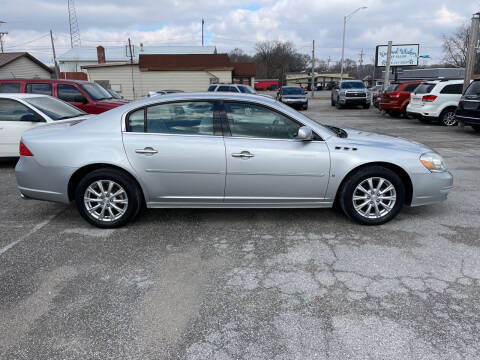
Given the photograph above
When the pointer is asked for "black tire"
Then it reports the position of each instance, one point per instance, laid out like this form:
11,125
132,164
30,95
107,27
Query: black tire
350,184
338,105
305,107
445,117
132,190
366,106
476,128
331,101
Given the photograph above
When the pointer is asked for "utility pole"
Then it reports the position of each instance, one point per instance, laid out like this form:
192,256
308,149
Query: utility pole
313,68
472,51
387,66
360,62
2,34
203,23
328,63
57,72
131,66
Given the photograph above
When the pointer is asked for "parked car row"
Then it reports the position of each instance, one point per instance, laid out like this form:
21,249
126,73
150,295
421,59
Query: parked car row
438,101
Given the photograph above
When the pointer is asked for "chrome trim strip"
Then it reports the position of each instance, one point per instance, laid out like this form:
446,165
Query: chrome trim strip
274,174
200,172
39,191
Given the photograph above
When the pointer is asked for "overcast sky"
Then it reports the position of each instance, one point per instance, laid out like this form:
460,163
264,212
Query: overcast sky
237,23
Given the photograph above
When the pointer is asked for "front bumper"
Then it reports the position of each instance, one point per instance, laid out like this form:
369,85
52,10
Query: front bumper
295,103
353,101
431,188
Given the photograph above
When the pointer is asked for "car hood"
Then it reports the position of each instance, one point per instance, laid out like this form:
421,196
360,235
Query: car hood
365,138
114,101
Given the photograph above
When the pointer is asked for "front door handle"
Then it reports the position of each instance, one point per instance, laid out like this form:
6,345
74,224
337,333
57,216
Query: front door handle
243,154
146,151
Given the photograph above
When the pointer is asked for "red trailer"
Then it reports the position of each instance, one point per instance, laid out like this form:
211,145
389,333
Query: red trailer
266,84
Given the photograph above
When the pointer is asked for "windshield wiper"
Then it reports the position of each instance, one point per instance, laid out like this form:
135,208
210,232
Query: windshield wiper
340,132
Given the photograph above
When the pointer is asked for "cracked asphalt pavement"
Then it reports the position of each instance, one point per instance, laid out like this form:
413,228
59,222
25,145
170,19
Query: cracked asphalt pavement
249,284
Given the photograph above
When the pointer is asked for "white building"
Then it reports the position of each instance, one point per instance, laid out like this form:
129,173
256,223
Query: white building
22,65
79,56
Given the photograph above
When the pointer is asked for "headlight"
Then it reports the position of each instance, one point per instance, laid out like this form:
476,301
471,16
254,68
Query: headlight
433,162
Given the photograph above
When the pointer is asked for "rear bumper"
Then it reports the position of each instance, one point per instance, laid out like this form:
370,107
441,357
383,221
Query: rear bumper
423,111
431,188
42,183
391,107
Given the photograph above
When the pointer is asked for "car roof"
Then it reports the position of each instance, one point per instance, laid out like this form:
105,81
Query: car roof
47,80
20,95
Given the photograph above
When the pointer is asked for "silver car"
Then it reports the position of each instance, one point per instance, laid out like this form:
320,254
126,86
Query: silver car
212,150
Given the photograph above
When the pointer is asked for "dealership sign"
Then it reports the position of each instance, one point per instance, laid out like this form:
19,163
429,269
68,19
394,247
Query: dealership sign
402,55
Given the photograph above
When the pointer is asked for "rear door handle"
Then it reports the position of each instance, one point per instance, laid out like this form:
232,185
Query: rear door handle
243,154
146,151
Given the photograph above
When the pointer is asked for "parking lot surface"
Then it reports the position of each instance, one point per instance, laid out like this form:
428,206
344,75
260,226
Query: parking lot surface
249,284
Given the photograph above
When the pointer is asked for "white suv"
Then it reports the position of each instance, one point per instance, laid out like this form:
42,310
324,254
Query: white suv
436,101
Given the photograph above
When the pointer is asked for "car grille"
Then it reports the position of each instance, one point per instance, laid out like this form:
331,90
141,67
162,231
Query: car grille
356,95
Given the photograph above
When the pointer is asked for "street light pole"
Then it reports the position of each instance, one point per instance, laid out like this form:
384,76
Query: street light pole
345,18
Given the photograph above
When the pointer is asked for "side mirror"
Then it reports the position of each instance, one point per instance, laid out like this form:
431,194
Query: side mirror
305,133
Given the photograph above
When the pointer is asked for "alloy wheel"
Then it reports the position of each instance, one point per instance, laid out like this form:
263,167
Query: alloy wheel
374,197
105,200
449,119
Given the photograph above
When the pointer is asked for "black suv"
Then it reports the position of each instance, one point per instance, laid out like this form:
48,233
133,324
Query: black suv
468,110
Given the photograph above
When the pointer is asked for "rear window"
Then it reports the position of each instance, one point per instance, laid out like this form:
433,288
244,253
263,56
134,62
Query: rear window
391,88
10,88
424,88
212,88
410,87
473,89
452,89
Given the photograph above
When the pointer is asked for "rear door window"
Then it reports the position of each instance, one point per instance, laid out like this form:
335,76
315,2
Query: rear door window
12,87
70,93
452,89
44,89
227,88
212,88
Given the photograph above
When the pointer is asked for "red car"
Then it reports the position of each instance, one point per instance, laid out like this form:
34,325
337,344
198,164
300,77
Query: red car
396,97
87,96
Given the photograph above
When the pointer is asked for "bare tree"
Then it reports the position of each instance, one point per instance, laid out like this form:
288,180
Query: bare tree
238,55
455,46
275,58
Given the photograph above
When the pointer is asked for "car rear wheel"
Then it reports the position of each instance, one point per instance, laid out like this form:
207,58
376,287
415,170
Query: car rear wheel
372,195
108,198
476,128
447,117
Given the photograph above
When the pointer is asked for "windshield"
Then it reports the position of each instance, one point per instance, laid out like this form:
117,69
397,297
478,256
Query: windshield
114,94
473,89
353,85
96,92
292,91
424,88
247,89
54,108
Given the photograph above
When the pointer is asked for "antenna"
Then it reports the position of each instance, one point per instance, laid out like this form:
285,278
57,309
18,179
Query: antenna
74,29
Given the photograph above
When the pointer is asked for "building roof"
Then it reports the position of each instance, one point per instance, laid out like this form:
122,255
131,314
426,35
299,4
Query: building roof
6,58
246,69
185,62
121,53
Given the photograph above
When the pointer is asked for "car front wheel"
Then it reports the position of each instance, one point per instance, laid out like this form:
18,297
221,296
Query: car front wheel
372,195
108,198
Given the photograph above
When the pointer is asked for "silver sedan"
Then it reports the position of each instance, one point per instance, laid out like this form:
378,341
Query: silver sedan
212,150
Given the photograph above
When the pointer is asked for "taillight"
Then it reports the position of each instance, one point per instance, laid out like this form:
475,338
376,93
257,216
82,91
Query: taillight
394,95
429,98
24,150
